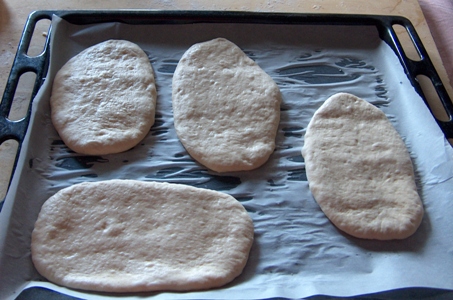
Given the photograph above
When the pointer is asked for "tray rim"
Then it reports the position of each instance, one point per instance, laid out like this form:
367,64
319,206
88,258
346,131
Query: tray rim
384,21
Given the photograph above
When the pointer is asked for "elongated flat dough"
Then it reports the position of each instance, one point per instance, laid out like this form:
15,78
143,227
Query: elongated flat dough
226,108
359,170
104,99
135,236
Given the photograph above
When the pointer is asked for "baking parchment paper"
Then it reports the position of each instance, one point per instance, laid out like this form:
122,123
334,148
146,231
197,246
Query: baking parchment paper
297,252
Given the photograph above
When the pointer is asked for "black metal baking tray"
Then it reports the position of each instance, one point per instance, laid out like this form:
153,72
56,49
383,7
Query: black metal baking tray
384,24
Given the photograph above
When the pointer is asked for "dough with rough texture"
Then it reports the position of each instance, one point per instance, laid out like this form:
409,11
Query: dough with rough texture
103,99
135,236
360,172
226,108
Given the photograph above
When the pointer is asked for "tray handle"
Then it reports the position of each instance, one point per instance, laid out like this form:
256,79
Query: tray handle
22,63
424,66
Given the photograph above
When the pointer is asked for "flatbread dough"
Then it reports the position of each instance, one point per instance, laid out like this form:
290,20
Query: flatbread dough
135,236
226,108
359,170
103,99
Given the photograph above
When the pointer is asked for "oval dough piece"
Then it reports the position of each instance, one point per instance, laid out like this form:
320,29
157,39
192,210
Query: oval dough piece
359,170
133,236
103,99
226,108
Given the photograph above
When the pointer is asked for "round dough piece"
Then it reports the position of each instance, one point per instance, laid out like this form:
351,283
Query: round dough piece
135,236
226,108
359,170
103,99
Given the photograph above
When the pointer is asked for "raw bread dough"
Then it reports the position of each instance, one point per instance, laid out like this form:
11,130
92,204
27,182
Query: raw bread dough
103,99
226,108
359,170
132,236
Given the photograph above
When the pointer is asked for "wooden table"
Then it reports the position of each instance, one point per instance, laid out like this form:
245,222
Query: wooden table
13,14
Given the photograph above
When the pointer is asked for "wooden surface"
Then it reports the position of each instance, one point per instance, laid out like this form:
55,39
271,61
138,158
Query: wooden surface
13,14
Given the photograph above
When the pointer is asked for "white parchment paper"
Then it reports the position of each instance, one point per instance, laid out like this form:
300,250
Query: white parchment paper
297,252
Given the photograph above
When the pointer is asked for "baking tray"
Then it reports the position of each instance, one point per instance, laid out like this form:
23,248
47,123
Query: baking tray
383,24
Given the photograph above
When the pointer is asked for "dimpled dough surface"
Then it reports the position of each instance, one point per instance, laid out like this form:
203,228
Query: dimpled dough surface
226,108
103,99
132,236
359,170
